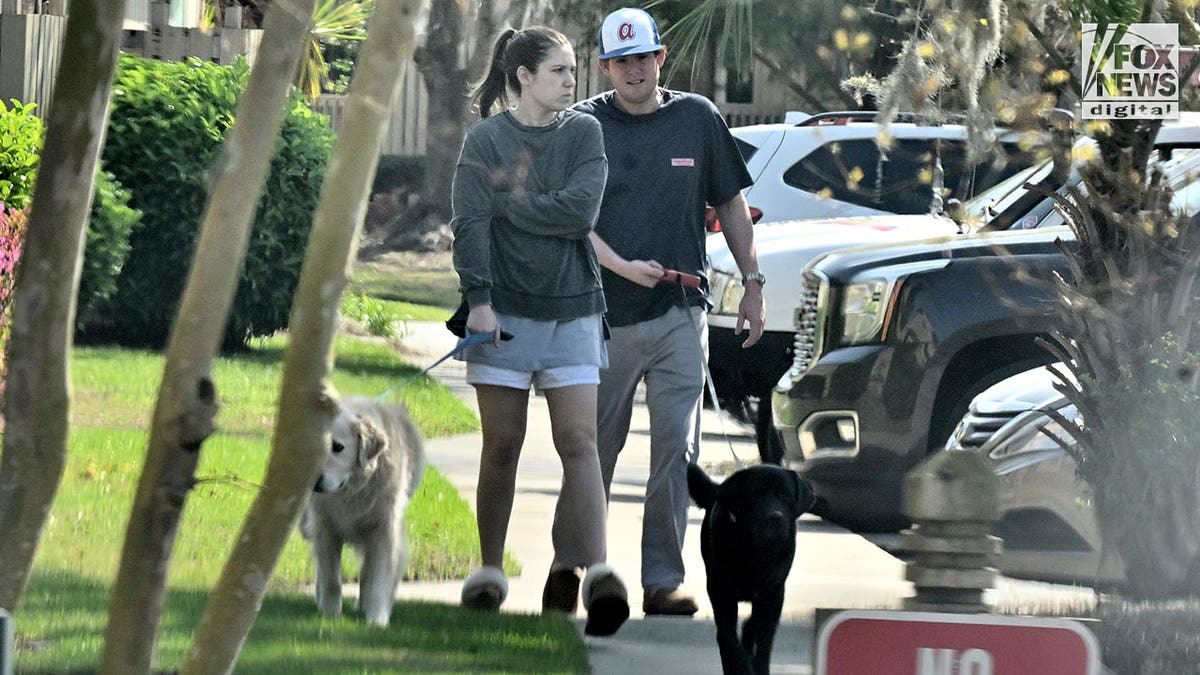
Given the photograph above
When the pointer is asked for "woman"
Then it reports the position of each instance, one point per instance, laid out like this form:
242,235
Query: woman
527,190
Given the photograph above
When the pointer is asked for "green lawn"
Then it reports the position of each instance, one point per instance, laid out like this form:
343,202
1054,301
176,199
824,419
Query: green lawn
62,615
434,284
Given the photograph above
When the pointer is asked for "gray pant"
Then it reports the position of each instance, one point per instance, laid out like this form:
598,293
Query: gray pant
667,353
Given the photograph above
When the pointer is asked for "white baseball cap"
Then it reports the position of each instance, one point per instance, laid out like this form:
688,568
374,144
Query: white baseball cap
628,31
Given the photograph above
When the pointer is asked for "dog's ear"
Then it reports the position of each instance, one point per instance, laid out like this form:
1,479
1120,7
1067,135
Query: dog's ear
702,488
371,441
806,499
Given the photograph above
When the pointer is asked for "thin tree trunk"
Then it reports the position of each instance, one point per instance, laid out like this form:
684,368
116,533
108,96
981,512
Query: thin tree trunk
485,33
37,402
446,83
187,401
517,15
306,408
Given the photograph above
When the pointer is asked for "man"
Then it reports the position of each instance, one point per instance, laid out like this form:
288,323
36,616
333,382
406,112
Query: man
669,155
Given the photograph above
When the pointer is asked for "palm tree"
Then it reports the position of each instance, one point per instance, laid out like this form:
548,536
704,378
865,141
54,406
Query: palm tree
334,19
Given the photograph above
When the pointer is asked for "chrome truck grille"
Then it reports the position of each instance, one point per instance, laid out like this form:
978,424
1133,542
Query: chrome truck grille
809,319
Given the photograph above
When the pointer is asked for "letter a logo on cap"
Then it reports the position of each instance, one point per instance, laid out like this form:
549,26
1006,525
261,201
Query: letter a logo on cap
628,31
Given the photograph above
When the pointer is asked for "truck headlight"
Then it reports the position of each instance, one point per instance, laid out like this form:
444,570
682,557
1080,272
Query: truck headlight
726,292
864,305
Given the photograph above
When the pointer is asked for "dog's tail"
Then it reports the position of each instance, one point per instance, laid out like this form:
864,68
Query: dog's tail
702,488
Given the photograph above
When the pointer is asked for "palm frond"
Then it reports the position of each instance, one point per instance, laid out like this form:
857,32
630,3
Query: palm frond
690,37
342,19
1106,11
333,19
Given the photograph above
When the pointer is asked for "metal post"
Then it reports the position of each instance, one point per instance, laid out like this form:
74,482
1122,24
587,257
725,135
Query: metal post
7,653
952,501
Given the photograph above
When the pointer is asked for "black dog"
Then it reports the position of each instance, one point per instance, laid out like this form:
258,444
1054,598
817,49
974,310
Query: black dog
748,541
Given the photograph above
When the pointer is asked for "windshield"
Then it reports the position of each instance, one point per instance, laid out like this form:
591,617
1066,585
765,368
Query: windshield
977,211
1000,195
1182,171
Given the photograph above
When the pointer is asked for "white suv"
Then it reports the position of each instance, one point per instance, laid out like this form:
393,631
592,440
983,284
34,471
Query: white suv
829,165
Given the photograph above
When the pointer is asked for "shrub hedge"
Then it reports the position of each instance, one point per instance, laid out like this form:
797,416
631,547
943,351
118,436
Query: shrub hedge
111,221
110,225
20,149
167,124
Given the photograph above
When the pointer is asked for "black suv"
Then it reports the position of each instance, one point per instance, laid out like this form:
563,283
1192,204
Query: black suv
830,165
894,341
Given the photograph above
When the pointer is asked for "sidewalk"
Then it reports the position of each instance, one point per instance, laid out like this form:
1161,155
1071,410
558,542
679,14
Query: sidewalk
833,567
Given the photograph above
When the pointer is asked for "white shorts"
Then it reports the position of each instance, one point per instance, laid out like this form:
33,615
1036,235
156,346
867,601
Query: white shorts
548,378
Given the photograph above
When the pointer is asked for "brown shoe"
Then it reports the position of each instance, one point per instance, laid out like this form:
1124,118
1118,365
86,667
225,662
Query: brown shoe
668,602
561,593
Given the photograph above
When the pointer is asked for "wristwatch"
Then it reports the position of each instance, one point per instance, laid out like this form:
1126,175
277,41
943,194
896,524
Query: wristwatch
757,277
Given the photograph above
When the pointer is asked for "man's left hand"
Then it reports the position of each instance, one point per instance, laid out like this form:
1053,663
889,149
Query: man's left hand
752,310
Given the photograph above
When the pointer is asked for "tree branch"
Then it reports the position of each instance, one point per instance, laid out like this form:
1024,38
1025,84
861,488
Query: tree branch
799,89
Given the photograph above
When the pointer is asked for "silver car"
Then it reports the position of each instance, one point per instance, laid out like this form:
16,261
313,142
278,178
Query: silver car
1046,511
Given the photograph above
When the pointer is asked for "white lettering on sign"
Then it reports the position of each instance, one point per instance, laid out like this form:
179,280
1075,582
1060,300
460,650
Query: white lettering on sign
932,661
935,661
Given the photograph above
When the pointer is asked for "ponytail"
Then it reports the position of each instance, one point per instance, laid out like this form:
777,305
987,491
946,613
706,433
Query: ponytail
494,86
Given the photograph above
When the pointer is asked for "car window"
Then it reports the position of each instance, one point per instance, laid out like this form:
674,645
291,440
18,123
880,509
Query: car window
1184,168
1002,194
849,171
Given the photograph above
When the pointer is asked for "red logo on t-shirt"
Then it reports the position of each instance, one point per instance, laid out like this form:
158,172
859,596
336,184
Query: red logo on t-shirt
683,161
625,32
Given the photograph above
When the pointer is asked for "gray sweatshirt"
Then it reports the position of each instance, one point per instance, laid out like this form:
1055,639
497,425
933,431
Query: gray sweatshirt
525,199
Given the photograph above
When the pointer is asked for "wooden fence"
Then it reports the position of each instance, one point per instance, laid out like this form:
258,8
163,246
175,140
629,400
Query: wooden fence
406,133
172,43
743,114
31,34
30,50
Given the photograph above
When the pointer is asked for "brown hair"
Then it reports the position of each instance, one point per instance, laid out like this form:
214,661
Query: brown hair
513,49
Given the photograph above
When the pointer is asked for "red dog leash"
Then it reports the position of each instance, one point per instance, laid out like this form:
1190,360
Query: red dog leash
684,280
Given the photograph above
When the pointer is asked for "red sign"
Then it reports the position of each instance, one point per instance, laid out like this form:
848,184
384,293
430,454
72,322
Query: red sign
861,642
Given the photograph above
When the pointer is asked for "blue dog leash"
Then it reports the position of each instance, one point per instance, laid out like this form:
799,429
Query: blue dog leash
470,340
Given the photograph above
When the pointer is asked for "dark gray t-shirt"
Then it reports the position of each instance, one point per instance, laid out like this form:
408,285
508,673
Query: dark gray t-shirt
525,199
663,169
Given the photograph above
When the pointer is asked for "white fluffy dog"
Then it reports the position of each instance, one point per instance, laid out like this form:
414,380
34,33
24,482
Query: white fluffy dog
371,470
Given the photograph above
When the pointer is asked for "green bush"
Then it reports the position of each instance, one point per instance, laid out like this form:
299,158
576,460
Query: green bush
111,220
110,225
20,149
167,124
378,318
1150,638
12,241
